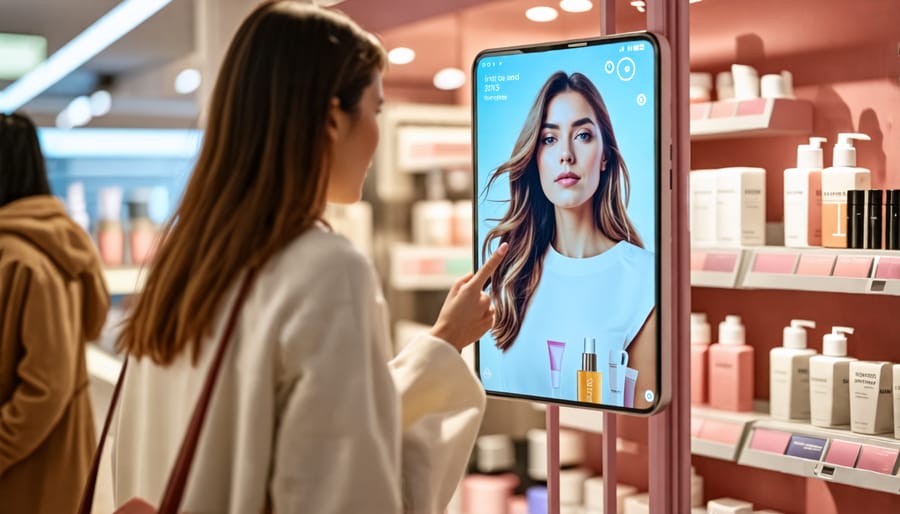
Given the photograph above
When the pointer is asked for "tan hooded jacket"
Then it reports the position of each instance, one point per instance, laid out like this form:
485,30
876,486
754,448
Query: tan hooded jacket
52,300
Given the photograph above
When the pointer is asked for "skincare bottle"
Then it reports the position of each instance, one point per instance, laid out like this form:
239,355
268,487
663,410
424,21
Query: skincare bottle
77,205
856,218
892,220
590,381
700,339
841,177
618,366
896,391
110,238
731,368
871,405
741,207
829,381
703,208
803,197
873,219
143,232
789,373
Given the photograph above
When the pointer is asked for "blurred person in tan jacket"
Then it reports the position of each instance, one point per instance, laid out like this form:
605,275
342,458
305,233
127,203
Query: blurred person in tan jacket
52,301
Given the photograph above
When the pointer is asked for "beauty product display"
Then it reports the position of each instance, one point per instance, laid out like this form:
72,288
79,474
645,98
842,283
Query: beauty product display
856,218
590,381
740,207
724,86
571,486
789,373
731,368
571,451
873,219
76,205
462,223
842,176
594,495
895,388
892,220
495,453
487,494
773,85
871,403
557,350
433,217
746,82
829,381
142,231
618,364
110,237
637,504
703,208
729,506
700,340
700,87
803,197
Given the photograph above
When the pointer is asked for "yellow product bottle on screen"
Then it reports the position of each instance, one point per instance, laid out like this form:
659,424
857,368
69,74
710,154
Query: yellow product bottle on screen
590,381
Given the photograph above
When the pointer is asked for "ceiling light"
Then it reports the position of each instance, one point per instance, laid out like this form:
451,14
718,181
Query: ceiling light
62,120
449,78
80,111
91,142
104,32
101,103
401,55
576,5
541,14
187,81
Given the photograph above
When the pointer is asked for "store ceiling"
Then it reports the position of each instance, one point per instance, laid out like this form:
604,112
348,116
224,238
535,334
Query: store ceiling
443,33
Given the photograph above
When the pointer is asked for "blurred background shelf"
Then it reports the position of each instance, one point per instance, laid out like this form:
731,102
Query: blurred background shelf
748,118
124,280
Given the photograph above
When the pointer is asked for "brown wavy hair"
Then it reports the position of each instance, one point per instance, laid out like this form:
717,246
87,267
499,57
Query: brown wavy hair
529,225
262,173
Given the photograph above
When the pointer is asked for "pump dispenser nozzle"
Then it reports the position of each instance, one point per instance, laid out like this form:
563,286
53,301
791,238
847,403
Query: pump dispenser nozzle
794,335
731,331
810,156
835,343
844,151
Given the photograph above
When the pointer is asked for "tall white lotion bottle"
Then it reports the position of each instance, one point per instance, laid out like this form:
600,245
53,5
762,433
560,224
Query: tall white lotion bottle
803,197
789,373
829,381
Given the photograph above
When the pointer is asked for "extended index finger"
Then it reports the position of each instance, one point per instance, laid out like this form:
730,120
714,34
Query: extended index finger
484,273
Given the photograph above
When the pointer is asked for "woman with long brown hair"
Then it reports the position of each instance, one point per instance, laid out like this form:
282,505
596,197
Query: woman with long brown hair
311,414
577,269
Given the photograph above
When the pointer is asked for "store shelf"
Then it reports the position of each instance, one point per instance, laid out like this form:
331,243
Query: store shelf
428,268
747,118
800,269
124,280
719,434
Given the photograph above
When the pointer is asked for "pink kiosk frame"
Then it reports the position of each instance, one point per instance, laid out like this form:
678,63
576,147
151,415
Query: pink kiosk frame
669,440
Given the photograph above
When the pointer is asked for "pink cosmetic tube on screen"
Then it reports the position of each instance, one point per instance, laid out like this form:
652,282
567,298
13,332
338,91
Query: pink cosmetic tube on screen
631,375
557,349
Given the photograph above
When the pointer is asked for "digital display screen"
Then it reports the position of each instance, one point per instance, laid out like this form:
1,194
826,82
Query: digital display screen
567,166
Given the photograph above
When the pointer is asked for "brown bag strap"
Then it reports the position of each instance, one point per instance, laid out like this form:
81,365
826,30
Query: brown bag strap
181,470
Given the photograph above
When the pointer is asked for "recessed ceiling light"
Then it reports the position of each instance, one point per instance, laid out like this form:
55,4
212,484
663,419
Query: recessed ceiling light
80,111
576,5
541,14
449,78
401,55
187,81
101,103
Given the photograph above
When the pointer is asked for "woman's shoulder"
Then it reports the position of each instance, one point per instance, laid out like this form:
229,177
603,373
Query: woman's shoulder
640,257
18,253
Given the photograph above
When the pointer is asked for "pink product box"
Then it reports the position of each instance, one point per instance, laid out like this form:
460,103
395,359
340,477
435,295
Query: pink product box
723,262
700,111
751,107
698,261
720,431
877,459
819,265
842,453
722,109
772,441
888,267
774,263
853,266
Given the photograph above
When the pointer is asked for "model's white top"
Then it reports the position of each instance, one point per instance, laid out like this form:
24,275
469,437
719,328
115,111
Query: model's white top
731,331
835,343
794,336
310,412
700,330
810,156
844,151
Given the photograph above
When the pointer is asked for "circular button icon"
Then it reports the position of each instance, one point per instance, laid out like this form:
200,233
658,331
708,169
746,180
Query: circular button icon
641,99
610,67
625,69
648,395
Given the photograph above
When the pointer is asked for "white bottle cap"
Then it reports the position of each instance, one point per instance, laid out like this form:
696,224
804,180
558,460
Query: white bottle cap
700,331
571,485
835,343
495,453
110,203
731,331
810,156
794,335
844,151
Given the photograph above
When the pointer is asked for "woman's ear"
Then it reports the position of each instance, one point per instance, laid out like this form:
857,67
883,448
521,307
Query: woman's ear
337,120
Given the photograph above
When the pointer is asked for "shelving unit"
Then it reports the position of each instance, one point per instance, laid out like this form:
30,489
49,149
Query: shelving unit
799,269
749,118
124,280
428,268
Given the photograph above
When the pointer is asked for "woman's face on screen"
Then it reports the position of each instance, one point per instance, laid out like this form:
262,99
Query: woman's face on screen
570,151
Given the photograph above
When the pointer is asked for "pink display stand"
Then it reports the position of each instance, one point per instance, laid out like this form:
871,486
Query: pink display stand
670,451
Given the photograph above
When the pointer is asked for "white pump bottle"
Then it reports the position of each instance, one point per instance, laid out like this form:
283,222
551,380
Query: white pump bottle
829,381
841,177
789,373
803,197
